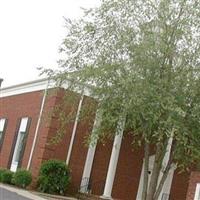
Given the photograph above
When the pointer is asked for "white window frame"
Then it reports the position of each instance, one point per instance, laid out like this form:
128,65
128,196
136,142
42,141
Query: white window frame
2,129
2,124
22,129
197,192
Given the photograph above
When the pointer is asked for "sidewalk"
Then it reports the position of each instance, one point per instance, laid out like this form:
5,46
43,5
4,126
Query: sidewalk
53,197
32,195
21,192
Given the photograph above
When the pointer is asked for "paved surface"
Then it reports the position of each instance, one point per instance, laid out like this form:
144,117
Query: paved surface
53,197
8,192
8,195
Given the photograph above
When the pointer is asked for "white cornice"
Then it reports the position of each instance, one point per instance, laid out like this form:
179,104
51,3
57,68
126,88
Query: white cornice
24,88
33,86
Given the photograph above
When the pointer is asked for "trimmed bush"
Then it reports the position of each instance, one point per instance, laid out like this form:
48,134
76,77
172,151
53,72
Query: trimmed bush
22,178
54,177
6,176
1,173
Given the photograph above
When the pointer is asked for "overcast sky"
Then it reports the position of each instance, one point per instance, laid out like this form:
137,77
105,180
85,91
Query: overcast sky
30,34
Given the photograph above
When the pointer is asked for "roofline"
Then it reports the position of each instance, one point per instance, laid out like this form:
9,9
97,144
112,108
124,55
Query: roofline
36,85
23,84
26,87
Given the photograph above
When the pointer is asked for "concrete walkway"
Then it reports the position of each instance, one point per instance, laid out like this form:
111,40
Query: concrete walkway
11,193
7,195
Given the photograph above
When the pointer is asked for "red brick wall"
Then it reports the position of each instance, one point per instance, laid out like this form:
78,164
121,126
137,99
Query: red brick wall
179,186
46,150
13,108
129,165
100,166
194,179
128,171
79,149
43,132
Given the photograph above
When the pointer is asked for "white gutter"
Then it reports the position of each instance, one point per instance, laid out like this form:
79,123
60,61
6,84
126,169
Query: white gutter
74,130
37,127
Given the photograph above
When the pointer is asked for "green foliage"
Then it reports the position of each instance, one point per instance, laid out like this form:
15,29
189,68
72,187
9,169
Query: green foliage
6,176
22,178
1,173
141,58
54,177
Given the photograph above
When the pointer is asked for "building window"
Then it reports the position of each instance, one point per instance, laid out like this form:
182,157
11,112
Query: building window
20,143
2,130
197,193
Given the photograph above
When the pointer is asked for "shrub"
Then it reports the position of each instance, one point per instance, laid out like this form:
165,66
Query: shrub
54,177
1,173
22,178
6,176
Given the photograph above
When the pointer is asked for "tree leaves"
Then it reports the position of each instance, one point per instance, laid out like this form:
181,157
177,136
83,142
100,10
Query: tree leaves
146,54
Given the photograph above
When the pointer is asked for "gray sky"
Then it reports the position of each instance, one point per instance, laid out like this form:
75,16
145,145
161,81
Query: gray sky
30,34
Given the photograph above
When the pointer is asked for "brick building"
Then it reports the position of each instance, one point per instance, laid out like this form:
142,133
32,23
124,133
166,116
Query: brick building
109,170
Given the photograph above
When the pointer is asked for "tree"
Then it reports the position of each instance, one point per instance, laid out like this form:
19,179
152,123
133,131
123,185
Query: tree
141,58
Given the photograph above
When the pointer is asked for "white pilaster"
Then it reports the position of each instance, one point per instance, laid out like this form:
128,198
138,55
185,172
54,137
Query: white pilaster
37,126
74,130
90,155
87,169
114,159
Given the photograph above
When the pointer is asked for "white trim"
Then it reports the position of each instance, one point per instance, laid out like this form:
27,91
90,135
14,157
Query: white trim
197,192
24,88
2,127
74,130
22,128
2,124
37,85
37,126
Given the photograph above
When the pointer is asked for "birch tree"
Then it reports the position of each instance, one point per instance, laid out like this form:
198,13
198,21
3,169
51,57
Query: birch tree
141,58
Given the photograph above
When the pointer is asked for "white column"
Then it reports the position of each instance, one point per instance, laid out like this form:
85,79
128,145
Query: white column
87,169
114,159
197,192
74,130
90,155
